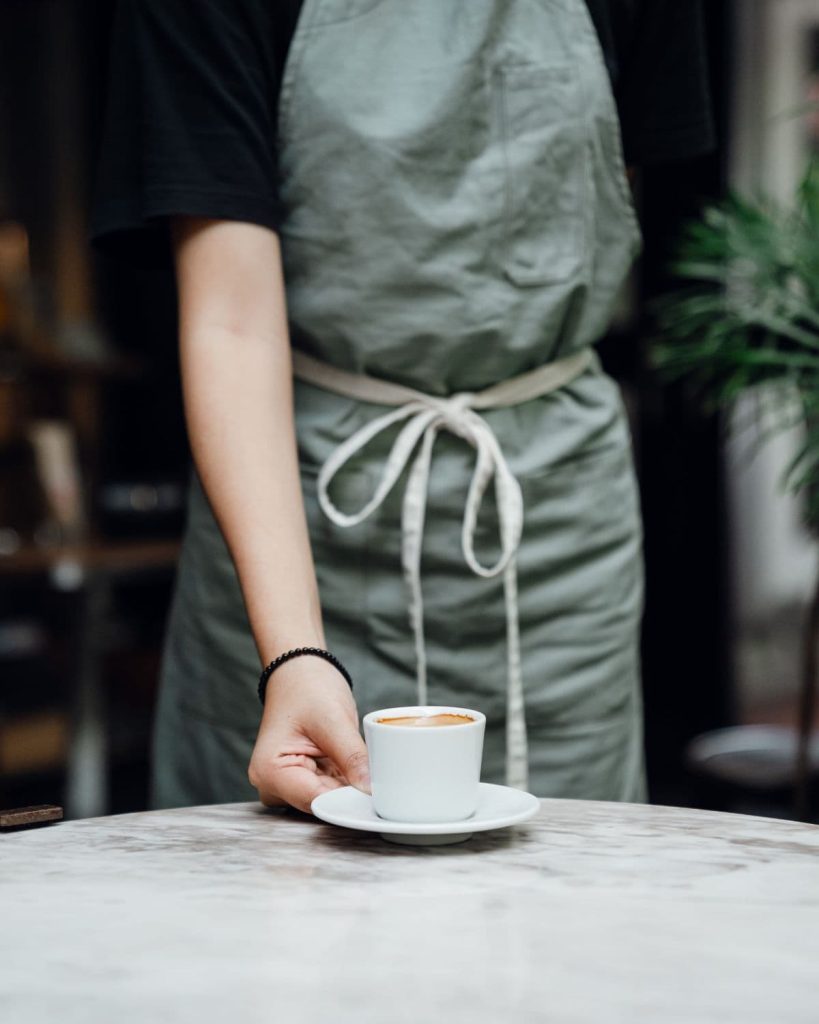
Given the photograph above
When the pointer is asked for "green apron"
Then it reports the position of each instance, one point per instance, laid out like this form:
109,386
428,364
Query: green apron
456,213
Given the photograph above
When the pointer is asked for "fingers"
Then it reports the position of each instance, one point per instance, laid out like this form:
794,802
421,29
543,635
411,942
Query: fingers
340,740
295,783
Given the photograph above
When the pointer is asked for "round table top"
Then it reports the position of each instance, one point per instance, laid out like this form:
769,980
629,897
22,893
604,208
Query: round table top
588,912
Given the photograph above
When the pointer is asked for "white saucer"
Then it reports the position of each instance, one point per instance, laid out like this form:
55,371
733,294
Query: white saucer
498,806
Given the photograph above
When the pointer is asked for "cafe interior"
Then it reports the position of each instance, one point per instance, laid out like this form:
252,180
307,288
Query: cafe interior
95,460
93,488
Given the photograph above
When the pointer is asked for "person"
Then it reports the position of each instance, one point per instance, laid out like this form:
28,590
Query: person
398,229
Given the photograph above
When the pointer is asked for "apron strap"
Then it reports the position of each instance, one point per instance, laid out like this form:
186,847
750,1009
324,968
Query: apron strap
425,416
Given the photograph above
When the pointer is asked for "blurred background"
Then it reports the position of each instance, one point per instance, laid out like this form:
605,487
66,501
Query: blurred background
94,458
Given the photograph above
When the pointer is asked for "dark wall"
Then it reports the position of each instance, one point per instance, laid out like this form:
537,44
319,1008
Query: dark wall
688,674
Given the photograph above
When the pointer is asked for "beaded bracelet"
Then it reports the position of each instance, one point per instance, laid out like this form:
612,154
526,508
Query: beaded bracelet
282,658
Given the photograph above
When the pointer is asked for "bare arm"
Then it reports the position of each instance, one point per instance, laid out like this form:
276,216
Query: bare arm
237,391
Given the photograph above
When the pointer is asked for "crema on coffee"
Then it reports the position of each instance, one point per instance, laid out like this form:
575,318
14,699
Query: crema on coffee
425,721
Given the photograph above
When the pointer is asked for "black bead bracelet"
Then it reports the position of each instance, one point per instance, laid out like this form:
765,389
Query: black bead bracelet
319,652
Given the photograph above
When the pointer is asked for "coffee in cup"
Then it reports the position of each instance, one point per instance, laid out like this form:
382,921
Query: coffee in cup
425,762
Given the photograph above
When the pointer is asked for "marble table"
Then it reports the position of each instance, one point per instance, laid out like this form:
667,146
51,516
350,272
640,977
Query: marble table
590,912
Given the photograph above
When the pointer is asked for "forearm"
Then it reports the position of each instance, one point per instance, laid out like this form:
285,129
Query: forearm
237,390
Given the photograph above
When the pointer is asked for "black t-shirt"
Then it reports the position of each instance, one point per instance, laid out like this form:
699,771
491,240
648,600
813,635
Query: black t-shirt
193,96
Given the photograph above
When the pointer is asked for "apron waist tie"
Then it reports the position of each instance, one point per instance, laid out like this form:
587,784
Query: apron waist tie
426,415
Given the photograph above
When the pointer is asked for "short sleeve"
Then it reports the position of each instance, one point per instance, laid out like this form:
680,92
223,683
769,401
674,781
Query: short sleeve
190,117
663,89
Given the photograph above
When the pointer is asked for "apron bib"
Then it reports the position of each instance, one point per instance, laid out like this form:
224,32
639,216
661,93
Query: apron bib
456,214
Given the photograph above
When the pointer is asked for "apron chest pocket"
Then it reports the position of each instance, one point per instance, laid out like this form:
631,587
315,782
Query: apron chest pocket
546,173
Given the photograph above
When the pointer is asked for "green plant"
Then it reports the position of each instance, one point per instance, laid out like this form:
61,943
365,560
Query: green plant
746,316
749,316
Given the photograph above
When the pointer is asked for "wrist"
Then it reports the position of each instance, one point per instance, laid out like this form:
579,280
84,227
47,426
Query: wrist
307,659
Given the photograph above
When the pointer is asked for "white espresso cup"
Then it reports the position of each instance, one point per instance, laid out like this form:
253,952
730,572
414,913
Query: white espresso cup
424,773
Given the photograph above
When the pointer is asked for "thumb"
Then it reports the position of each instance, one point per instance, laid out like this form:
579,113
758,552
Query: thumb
341,741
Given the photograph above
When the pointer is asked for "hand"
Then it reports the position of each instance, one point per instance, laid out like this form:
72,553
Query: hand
308,740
